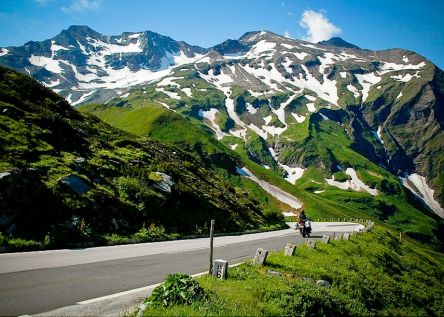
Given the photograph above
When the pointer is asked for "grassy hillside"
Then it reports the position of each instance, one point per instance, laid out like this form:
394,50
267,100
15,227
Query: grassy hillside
68,177
191,136
325,145
370,275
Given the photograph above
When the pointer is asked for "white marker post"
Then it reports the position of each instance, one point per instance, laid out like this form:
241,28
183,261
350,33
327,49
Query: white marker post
211,246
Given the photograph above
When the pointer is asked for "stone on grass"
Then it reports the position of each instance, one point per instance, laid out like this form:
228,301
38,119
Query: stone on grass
311,244
323,283
346,236
75,183
163,181
325,239
289,249
260,257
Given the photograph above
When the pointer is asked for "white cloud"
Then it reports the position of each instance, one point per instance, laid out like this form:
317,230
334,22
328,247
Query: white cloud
319,28
82,5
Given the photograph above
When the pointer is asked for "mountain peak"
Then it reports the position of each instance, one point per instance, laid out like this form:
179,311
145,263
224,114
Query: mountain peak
254,36
339,42
81,30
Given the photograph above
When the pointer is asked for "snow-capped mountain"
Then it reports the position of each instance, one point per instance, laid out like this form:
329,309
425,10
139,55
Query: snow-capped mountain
79,61
270,94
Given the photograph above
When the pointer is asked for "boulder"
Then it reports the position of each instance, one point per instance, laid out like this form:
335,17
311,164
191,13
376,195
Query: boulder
163,181
76,184
323,283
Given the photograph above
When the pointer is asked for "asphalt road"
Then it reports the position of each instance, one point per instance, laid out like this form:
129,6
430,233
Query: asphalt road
41,286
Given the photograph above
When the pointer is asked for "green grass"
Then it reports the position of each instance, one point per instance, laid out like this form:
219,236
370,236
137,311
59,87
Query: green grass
320,144
44,141
137,121
371,274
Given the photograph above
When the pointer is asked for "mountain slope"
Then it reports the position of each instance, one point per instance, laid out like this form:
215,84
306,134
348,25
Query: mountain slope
332,119
80,61
59,167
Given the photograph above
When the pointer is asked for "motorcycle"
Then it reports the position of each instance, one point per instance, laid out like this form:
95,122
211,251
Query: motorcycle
304,227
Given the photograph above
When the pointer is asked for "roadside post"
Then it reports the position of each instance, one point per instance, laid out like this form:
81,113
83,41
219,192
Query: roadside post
211,246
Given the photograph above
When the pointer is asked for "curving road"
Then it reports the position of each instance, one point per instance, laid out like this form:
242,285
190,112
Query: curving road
82,280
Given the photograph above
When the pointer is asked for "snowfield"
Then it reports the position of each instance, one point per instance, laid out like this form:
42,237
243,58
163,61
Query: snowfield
274,191
422,190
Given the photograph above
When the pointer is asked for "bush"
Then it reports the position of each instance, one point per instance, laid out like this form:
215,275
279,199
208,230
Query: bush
178,289
24,245
153,233
3,239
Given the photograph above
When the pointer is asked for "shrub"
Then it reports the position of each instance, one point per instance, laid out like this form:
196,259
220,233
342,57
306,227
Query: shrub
24,245
178,289
153,233
3,239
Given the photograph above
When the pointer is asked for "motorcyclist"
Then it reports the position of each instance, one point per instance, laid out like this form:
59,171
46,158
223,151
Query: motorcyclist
304,229
302,216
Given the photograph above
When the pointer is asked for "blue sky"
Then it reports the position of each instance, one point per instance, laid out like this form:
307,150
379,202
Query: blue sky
373,24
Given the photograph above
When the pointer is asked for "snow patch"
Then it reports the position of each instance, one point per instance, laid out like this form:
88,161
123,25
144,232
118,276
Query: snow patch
260,48
366,81
83,98
298,118
55,47
343,74
164,105
170,94
425,192
187,92
46,62
399,95
109,49
355,183
169,81
300,55
274,130
52,83
311,107
293,173
234,146
404,79
251,109
390,67
210,115
274,191
288,46
405,59
354,90
180,58
135,35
